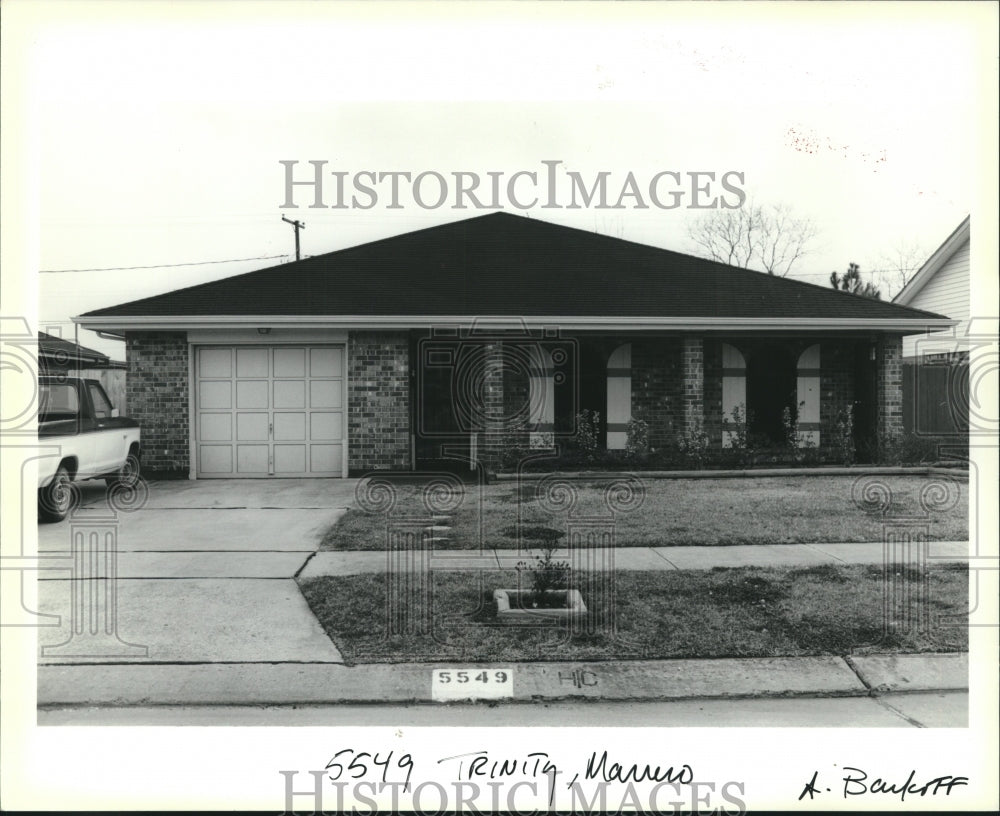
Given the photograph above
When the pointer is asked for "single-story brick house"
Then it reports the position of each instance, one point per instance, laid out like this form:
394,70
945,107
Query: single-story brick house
442,343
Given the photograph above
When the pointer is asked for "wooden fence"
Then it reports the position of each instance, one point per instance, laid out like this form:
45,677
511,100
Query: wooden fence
936,398
113,380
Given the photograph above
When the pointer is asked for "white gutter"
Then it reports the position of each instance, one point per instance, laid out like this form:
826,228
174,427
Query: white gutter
912,325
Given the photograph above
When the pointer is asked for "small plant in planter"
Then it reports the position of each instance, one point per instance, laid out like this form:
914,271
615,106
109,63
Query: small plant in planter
550,595
547,575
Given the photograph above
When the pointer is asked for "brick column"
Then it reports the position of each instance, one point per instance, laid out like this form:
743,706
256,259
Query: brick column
693,378
157,395
494,425
890,387
378,396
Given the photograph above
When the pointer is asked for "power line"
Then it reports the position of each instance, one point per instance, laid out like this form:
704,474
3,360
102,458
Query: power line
159,266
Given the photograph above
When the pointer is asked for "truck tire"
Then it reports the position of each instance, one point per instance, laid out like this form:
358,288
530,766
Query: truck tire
56,499
127,475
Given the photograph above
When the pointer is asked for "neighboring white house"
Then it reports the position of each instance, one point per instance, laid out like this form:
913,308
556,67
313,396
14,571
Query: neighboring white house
936,365
941,285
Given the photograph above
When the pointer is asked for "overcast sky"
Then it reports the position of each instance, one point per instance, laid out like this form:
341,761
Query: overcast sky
159,130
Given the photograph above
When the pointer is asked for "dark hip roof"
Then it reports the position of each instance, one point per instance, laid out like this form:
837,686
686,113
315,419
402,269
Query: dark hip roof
506,265
54,351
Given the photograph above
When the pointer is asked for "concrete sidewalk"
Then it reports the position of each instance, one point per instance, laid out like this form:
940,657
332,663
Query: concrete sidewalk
647,558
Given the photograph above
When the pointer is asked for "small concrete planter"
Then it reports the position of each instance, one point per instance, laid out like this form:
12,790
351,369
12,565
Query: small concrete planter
512,613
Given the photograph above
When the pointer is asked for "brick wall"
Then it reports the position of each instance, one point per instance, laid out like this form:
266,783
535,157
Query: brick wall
157,393
516,397
890,387
693,378
657,388
836,387
378,399
495,428
713,392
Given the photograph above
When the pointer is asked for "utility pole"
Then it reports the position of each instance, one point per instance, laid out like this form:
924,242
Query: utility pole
298,225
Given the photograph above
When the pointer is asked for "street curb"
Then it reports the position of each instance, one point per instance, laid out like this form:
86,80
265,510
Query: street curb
912,672
750,473
236,684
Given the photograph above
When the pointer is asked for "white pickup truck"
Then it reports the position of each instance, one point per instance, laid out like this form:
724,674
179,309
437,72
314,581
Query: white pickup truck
94,442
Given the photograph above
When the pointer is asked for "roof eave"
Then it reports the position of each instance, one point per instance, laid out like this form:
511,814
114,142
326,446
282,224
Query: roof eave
909,325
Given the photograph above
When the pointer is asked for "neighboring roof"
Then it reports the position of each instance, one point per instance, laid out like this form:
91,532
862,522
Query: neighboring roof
55,351
502,265
931,266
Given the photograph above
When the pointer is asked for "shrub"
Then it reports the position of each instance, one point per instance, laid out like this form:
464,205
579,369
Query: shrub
800,445
909,449
842,435
742,444
693,445
587,433
637,438
546,573
790,426
511,452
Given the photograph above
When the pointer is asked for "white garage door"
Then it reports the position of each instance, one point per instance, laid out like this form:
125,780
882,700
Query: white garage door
269,411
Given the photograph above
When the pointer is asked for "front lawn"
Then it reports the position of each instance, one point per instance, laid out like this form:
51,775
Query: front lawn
745,612
778,510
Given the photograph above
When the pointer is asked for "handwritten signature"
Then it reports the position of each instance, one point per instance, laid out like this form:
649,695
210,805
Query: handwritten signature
856,783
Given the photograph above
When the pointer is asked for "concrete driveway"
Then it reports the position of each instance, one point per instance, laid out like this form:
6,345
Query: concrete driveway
205,573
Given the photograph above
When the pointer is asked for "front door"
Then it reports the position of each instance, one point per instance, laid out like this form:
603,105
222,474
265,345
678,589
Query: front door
865,418
444,431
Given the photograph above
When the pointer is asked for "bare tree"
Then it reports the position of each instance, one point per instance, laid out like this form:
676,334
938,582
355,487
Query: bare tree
895,267
769,238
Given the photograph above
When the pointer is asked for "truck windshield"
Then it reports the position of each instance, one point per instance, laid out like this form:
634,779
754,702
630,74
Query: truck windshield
58,401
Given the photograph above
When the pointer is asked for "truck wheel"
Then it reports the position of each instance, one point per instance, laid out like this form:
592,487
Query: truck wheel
56,499
127,475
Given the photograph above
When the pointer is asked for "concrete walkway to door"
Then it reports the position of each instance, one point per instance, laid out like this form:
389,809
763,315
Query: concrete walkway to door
205,571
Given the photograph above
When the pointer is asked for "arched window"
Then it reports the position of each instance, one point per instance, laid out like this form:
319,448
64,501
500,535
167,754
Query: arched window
807,394
619,396
541,399
734,389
